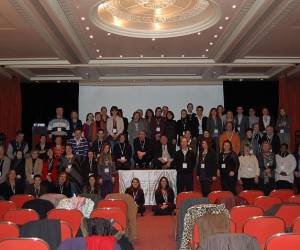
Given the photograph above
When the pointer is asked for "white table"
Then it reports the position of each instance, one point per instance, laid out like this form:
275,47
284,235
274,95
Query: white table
149,181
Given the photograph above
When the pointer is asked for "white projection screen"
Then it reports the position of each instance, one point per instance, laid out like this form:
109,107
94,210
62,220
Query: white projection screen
130,98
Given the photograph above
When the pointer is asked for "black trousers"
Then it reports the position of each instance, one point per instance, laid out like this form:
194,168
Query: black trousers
248,183
205,187
284,185
297,182
228,183
268,187
185,182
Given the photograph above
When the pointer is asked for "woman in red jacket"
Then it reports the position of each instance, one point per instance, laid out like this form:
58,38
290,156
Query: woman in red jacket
50,170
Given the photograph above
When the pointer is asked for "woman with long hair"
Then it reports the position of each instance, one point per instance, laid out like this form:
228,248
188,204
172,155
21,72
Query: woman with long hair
164,198
63,185
137,193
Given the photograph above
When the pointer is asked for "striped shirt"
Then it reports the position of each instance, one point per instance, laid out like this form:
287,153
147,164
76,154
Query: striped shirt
80,148
58,126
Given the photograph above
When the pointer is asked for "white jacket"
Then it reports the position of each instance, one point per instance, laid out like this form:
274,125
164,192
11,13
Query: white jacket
285,164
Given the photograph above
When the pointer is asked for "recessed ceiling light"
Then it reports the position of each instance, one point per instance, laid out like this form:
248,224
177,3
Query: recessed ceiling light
141,55
182,55
161,55
97,50
121,56
216,36
211,44
221,27
87,28
153,39
234,6
199,33
91,36
108,34
227,18
83,18
206,50
203,55
261,79
58,81
100,56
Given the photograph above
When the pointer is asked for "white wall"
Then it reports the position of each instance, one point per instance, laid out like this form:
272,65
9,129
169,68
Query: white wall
130,98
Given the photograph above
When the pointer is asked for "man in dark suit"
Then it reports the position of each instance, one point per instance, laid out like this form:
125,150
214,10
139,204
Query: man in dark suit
272,139
190,114
89,166
184,162
199,123
241,122
163,154
142,150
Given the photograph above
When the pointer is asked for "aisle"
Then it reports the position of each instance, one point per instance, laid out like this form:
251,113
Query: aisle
155,232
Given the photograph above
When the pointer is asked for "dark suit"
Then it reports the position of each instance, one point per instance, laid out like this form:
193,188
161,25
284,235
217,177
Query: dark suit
160,200
184,166
157,153
97,146
122,150
145,146
87,169
139,198
36,192
6,191
262,126
183,125
274,141
212,125
241,128
157,124
195,122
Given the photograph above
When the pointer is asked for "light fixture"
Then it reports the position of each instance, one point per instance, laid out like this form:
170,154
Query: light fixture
108,33
83,18
215,36
121,56
206,50
227,18
211,44
161,55
97,50
234,6
141,55
155,4
100,56
153,39
87,28
221,27
203,55
182,55
199,33
91,36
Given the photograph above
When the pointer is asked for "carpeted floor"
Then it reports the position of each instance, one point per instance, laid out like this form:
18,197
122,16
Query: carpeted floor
155,232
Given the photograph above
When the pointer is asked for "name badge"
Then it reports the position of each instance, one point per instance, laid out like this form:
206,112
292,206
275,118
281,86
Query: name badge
202,165
114,130
281,131
32,176
183,133
184,165
69,166
59,129
268,164
123,158
157,129
216,131
90,174
223,165
106,170
251,151
239,129
271,150
249,169
49,173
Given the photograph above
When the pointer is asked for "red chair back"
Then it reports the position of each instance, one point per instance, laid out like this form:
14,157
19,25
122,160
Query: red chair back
20,199
215,195
294,199
288,212
241,214
23,244
72,217
111,213
8,230
290,241
186,195
21,216
113,203
250,195
283,194
5,206
296,225
263,227
266,202
66,230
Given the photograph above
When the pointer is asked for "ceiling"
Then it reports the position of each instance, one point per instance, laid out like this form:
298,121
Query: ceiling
58,40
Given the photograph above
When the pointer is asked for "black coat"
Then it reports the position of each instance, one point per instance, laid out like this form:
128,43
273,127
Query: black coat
170,130
138,146
157,150
127,151
97,146
179,159
275,142
209,169
231,162
195,123
86,169
159,198
7,192
139,196
183,125
262,126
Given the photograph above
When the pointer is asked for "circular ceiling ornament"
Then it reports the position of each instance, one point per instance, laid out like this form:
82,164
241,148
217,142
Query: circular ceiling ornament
155,18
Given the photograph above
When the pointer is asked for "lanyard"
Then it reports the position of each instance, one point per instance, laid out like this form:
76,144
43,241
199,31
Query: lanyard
184,124
37,192
122,149
61,189
134,194
184,155
50,164
13,188
142,145
1,165
157,121
92,191
99,145
165,196
91,165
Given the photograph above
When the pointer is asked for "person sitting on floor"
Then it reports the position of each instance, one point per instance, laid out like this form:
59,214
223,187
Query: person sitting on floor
137,193
164,198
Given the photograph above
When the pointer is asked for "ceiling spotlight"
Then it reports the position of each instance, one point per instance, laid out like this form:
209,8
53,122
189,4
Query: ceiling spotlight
211,44
199,33
234,6
261,79
206,50
100,56
91,36
121,56
58,81
83,18
87,28
241,80
97,50
161,55
108,34
153,39
203,55
221,27
227,18
182,55
141,55
216,36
